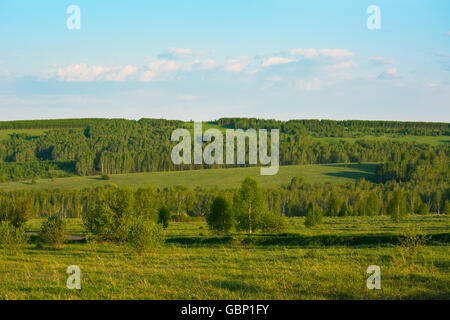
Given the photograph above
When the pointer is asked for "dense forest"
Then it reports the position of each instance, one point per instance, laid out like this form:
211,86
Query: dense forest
102,146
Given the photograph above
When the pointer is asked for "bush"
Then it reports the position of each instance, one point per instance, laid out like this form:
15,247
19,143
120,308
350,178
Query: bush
106,177
11,237
411,240
110,219
274,222
220,217
164,217
53,232
16,211
145,235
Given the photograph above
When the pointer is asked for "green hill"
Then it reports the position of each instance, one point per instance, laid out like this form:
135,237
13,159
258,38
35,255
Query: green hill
225,178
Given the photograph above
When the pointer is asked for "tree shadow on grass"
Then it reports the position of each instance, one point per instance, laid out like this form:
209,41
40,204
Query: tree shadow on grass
235,286
352,175
363,167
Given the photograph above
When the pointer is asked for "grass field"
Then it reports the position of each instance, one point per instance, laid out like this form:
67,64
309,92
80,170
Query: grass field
6,134
225,178
236,270
407,138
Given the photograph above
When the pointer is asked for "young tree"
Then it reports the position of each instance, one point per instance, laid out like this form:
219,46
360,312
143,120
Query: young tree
164,217
333,207
313,216
53,231
344,211
397,206
248,205
220,216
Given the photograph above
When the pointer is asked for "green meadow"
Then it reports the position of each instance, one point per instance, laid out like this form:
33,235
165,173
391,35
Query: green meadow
208,178
237,269
5,134
431,140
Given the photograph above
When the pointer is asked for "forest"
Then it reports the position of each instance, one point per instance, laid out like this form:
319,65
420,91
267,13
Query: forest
416,174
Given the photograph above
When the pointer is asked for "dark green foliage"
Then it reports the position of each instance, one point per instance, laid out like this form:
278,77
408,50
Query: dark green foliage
220,217
333,207
164,217
313,216
53,232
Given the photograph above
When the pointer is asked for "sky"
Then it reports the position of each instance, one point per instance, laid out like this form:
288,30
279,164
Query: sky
204,59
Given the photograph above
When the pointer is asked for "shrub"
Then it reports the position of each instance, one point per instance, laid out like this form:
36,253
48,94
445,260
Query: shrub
16,211
145,235
11,237
411,240
53,232
106,177
110,219
274,222
220,217
164,217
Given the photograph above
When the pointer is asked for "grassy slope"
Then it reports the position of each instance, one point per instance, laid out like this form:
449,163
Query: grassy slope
5,134
225,178
408,138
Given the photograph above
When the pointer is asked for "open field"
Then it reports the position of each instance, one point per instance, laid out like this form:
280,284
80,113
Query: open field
5,134
235,270
434,141
224,178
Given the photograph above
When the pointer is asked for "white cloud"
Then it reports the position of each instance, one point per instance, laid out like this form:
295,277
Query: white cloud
381,61
306,53
83,73
309,53
207,64
448,34
235,65
276,60
173,53
337,54
389,74
308,85
159,70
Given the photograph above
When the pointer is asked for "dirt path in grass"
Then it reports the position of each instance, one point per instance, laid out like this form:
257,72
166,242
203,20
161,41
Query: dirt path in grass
68,236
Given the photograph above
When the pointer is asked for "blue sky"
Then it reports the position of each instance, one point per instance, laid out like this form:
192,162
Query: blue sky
203,60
